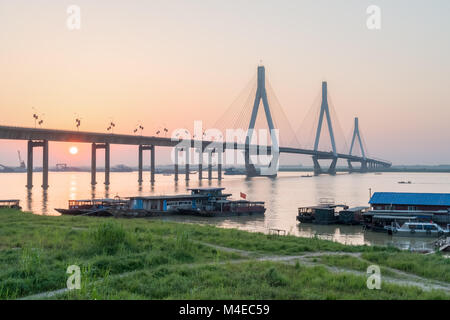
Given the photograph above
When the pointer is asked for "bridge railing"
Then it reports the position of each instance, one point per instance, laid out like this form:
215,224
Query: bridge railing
381,160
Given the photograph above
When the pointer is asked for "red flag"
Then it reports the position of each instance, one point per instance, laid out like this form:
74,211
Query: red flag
243,195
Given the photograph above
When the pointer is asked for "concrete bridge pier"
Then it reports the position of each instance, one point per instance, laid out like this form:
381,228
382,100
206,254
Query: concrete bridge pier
364,166
200,163
107,163
187,163
210,165
152,164
93,164
30,165
45,164
96,146
350,166
31,145
219,164
332,169
176,164
318,169
142,148
140,159
249,166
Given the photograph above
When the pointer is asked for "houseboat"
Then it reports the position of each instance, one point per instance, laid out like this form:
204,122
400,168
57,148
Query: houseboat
210,202
352,216
97,207
10,204
325,213
400,207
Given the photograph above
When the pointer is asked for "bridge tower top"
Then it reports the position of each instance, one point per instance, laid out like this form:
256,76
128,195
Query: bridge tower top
261,95
324,109
356,134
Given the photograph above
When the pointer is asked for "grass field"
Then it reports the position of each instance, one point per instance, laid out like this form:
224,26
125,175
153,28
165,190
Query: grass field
153,259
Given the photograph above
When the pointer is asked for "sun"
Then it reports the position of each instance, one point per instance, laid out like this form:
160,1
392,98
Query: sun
73,150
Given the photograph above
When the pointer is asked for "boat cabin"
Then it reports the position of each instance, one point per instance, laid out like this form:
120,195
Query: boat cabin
97,203
168,202
352,215
12,204
200,199
321,214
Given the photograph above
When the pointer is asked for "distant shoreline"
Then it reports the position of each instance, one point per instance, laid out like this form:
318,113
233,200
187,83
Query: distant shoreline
166,170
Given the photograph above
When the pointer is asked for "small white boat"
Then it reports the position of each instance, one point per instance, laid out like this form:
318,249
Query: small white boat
418,229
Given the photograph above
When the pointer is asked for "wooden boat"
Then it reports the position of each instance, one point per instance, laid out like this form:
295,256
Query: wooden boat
352,216
228,208
95,207
10,204
320,214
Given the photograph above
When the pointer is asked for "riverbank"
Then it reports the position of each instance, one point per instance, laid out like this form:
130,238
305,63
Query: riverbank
154,259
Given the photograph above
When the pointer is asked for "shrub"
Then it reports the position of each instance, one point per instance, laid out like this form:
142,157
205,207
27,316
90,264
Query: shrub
274,278
109,237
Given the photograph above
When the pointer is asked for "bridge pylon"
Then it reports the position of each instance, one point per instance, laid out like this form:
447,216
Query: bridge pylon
357,136
325,110
261,95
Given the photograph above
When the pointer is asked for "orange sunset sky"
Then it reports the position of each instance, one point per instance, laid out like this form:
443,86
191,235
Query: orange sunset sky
168,63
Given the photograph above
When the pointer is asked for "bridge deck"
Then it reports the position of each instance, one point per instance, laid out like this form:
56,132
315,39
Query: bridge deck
23,133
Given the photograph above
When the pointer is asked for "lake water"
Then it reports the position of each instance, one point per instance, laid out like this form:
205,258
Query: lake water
283,195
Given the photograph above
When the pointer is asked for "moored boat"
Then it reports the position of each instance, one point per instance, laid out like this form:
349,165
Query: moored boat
97,207
325,213
208,202
10,204
418,229
205,202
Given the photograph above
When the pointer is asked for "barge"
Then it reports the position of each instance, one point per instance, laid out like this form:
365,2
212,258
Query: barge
96,207
204,202
324,213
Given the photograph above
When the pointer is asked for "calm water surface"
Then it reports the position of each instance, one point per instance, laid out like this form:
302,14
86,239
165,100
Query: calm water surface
283,195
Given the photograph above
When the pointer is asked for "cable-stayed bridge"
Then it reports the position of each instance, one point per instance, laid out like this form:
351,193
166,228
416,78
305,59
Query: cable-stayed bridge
246,115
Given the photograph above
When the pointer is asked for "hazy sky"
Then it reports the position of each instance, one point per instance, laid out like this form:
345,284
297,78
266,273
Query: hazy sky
168,63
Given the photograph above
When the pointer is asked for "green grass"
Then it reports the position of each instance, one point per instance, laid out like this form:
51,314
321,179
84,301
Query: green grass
353,263
433,266
36,250
249,280
148,258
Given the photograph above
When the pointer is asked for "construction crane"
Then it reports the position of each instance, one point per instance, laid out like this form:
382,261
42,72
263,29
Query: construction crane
21,162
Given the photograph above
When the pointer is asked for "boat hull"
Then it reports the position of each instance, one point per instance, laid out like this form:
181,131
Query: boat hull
79,212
